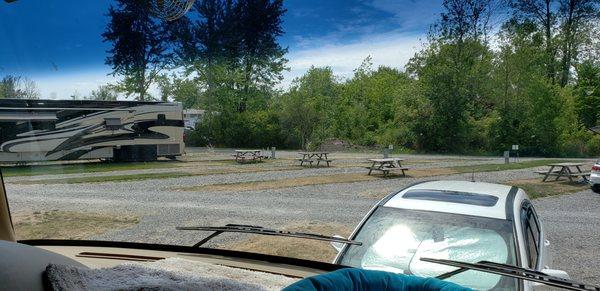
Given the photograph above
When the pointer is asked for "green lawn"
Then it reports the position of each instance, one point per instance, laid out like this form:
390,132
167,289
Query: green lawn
505,167
81,168
100,179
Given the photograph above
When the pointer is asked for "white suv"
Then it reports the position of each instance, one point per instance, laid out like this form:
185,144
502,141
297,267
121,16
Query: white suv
452,220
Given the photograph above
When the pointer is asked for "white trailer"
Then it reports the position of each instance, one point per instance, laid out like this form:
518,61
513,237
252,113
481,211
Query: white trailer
51,130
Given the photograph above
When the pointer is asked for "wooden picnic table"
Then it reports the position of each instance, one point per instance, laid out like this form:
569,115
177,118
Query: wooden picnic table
242,156
386,165
310,157
568,170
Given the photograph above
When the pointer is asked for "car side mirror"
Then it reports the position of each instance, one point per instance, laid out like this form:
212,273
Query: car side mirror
338,246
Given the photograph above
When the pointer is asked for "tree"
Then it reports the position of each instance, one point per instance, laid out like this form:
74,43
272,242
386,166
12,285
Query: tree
104,93
16,87
140,47
184,90
567,27
576,21
540,12
261,56
306,110
453,72
587,92
206,44
232,46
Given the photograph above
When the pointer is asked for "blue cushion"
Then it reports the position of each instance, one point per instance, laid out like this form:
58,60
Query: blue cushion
359,279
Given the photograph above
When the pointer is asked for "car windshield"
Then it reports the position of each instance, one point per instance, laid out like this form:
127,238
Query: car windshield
395,240
279,124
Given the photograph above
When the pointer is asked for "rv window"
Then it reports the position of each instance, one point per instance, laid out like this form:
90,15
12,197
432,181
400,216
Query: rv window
113,123
46,125
161,120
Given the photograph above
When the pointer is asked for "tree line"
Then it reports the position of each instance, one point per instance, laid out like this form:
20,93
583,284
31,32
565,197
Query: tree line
491,74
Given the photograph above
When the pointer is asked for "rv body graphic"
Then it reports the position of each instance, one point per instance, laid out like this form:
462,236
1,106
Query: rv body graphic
51,130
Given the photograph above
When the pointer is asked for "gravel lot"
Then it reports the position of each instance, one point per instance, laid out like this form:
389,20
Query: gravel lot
571,220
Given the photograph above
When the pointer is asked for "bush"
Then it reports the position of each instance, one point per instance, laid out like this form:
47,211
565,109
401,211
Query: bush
593,146
247,129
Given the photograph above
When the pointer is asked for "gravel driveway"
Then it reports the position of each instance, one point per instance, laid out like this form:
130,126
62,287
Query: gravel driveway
573,225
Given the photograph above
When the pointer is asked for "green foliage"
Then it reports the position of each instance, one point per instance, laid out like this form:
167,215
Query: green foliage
231,48
139,46
593,146
104,93
459,94
587,92
246,129
17,87
453,78
306,109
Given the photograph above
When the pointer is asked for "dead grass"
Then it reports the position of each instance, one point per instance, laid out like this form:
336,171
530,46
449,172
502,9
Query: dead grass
248,168
315,180
105,179
67,224
421,173
285,183
294,247
154,176
535,188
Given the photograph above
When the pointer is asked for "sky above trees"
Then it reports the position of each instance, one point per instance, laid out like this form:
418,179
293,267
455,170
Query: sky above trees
58,44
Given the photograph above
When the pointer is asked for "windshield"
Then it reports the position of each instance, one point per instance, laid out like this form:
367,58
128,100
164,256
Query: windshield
281,123
395,240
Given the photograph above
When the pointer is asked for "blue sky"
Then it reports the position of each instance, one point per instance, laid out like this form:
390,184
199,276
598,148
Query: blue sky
57,43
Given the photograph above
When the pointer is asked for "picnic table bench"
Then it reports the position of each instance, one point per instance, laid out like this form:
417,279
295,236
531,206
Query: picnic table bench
243,156
567,170
386,165
311,157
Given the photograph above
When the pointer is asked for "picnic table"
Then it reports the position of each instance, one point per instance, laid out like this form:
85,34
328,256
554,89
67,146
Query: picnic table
311,157
386,165
242,156
567,170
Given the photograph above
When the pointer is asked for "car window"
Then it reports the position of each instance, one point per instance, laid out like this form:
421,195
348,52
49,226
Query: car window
531,232
395,240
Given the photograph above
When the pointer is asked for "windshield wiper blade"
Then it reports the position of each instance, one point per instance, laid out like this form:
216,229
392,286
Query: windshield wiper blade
263,231
511,271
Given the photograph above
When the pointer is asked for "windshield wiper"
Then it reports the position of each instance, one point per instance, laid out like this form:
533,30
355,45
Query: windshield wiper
511,271
263,231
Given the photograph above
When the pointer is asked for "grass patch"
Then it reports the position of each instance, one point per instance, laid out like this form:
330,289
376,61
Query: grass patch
295,247
67,225
37,170
285,183
535,188
101,179
421,173
505,167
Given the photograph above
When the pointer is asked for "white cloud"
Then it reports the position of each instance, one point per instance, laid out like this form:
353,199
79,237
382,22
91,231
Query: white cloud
62,86
388,49
392,49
